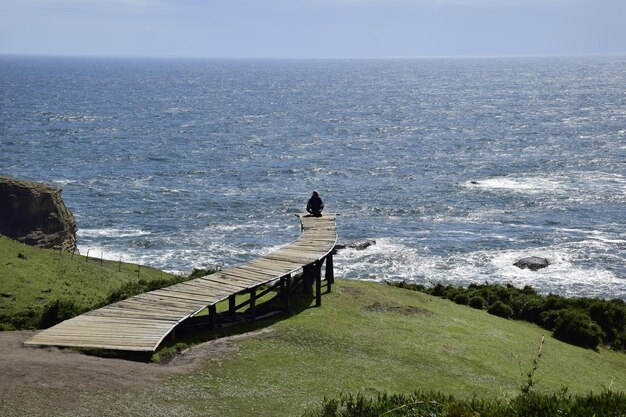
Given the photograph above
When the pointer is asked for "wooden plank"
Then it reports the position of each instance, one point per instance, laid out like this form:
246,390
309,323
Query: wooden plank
291,266
238,281
206,287
205,292
140,304
252,277
107,346
272,272
180,295
243,280
258,276
146,327
276,267
164,296
119,312
268,275
166,303
293,257
224,283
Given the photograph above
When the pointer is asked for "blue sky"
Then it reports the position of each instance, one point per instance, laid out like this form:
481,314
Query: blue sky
312,28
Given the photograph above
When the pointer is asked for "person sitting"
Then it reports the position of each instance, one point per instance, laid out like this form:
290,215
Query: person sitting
315,205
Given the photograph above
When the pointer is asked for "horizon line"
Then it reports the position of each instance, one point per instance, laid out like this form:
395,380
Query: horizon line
312,58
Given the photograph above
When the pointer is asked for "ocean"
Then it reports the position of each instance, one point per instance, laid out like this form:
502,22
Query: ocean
455,167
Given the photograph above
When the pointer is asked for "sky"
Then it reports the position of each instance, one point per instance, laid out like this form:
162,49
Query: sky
312,28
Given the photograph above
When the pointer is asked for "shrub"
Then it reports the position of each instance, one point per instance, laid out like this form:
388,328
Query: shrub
611,317
526,304
461,298
500,309
200,272
452,293
439,290
477,302
59,310
577,328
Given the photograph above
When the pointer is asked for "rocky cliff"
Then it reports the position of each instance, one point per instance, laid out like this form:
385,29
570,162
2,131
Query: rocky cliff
34,213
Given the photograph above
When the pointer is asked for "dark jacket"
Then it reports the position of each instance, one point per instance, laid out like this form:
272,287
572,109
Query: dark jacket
315,205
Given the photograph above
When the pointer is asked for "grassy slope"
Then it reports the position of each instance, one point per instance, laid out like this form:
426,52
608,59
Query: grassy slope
365,337
29,281
407,341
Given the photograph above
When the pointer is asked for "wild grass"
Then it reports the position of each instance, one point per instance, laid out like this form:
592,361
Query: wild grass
369,338
582,321
40,287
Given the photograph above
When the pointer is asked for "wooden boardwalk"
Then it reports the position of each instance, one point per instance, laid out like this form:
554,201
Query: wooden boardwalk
142,322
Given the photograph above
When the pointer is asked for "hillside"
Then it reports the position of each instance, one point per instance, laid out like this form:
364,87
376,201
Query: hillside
31,278
365,337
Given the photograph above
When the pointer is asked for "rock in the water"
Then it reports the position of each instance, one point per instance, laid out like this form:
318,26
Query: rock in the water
34,213
356,245
532,262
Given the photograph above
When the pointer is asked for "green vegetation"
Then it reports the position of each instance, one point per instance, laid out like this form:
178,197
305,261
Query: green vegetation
366,339
429,404
42,287
585,322
369,338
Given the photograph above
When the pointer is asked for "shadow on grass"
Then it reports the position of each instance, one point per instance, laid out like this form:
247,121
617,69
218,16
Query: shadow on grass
268,313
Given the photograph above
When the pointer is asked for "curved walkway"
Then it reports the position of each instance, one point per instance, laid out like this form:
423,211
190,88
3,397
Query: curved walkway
142,322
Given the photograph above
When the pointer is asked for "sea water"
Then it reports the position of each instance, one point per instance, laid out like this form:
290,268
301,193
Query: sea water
456,167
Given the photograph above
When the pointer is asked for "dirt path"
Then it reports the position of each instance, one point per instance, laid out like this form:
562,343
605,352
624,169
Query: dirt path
61,382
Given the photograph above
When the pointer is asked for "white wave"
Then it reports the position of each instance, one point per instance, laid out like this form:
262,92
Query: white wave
390,259
178,110
63,182
529,185
111,232
602,237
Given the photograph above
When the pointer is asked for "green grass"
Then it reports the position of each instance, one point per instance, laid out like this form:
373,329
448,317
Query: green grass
369,338
365,338
31,278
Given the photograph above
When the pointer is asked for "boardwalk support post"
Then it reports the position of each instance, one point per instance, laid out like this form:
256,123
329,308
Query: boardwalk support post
318,283
212,316
253,304
308,276
330,274
232,304
287,294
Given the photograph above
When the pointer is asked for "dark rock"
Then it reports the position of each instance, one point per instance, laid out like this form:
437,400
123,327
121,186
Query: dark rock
34,213
355,245
532,262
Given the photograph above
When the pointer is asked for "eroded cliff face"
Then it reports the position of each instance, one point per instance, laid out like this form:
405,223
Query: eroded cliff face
34,213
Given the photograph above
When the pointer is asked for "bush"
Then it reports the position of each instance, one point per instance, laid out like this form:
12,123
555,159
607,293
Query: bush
58,311
577,328
461,298
525,304
500,309
477,302
439,290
